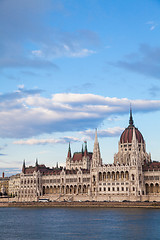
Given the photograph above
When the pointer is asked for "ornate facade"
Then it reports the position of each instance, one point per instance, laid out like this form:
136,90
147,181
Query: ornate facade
132,177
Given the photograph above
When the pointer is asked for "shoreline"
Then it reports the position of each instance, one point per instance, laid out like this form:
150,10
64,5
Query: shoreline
149,205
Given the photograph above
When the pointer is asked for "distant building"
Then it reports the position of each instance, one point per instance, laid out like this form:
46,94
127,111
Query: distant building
133,176
4,181
14,184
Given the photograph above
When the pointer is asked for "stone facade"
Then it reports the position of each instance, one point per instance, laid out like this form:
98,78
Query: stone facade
13,186
4,182
132,177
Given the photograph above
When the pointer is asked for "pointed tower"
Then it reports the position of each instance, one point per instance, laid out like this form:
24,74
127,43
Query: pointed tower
134,155
36,165
69,151
57,165
24,167
85,151
36,162
134,141
82,150
131,123
69,158
96,157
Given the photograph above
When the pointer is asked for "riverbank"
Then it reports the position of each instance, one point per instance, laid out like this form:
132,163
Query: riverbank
81,204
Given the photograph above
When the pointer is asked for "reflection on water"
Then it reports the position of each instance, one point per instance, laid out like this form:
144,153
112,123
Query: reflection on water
79,223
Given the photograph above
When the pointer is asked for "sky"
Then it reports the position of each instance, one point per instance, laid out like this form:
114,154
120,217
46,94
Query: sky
68,67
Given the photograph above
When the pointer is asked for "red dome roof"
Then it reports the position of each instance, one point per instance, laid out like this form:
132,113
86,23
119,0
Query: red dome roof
128,132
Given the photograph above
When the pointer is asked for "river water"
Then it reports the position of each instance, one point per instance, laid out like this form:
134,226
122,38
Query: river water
79,224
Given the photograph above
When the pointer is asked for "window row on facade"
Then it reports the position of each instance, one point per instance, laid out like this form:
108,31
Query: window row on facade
103,176
72,189
151,177
114,189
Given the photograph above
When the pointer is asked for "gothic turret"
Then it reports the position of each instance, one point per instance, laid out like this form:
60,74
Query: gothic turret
69,152
82,150
134,155
69,158
131,118
85,151
36,162
24,167
96,157
36,165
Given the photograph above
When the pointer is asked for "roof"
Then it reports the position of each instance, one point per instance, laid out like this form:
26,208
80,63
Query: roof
128,134
152,166
77,156
43,169
52,171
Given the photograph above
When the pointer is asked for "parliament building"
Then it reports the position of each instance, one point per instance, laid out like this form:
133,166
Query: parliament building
133,176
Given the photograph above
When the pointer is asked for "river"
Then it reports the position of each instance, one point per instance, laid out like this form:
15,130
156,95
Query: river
79,224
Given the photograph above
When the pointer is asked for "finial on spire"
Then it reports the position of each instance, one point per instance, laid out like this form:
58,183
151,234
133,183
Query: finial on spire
24,163
131,118
85,145
36,161
85,151
82,149
24,166
96,139
69,151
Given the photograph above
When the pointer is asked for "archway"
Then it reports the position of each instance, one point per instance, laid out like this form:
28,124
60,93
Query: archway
147,188
100,176
104,176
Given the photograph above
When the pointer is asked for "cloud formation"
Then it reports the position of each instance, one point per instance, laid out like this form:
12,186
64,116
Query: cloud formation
34,141
32,41
26,113
9,171
152,25
85,135
110,132
146,61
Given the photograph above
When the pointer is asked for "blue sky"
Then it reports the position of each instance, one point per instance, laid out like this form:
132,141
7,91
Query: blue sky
68,67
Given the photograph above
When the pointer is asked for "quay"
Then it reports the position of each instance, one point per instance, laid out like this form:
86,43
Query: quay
81,204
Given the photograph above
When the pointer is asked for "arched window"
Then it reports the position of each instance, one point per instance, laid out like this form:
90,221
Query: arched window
132,177
100,176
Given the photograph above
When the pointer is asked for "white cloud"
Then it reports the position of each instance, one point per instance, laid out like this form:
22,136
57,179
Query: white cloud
110,132
26,113
83,136
30,41
82,53
152,25
21,86
34,141
37,53
51,52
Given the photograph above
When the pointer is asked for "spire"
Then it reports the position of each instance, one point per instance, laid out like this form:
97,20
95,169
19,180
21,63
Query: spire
96,157
57,165
82,149
69,151
134,156
134,141
96,138
36,161
131,118
85,151
24,166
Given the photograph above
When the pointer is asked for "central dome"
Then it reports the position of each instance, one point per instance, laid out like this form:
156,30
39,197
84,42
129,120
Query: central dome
126,136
